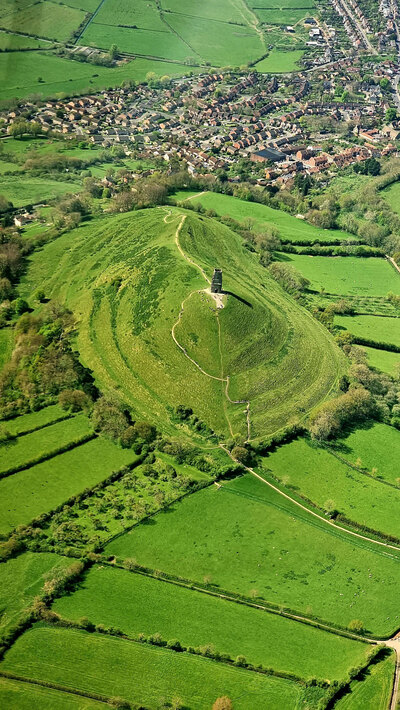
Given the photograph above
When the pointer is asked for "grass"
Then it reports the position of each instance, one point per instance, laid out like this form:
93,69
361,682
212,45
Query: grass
139,673
383,360
21,579
39,489
164,45
280,62
289,227
11,41
6,345
34,420
19,452
373,691
26,190
246,537
375,446
45,19
377,328
127,293
25,696
347,275
392,195
65,76
137,604
322,478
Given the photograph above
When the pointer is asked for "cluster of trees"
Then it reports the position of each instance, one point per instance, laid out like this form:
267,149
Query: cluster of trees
371,166
289,278
22,127
43,363
334,416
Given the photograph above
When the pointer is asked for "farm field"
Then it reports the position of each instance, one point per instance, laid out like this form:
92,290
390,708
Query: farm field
138,604
373,691
289,227
247,537
141,673
347,275
21,579
11,41
34,420
278,62
261,342
43,487
30,190
49,20
376,328
26,696
20,452
67,76
331,484
383,360
374,445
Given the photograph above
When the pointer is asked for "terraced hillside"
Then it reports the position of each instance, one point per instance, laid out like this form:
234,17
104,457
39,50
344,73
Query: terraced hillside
150,330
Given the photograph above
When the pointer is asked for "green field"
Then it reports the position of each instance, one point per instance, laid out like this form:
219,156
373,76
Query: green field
377,328
26,696
127,294
322,478
289,227
28,190
140,673
45,19
246,537
347,275
43,487
65,76
392,196
375,446
383,360
19,452
34,420
137,604
373,691
280,62
11,41
21,579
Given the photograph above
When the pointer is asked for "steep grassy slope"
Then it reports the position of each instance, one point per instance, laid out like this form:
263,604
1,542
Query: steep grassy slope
126,278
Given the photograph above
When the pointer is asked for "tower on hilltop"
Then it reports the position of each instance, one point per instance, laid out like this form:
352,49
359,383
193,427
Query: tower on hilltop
216,283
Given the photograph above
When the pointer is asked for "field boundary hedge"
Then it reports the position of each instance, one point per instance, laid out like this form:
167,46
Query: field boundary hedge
390,347
50,455
62,418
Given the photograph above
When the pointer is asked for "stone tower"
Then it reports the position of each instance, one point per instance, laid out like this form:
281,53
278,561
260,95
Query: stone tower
216,283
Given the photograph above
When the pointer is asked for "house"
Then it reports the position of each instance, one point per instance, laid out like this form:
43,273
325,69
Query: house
261,156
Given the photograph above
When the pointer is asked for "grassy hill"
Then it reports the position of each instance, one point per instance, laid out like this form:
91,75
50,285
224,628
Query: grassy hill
127,278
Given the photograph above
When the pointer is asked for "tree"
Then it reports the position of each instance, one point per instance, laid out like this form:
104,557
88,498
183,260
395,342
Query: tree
108,418
223,703
242,455
390,115
75,401
114,52
20,306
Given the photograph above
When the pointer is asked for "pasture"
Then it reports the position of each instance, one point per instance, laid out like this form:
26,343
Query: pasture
383,360
290,228
331,484
66,76
17,453
125,334
373,691
11,41
137,604
27,190
377,328
34,420
21,579
39,489
44,19
248,539
26,696
141,673
347,275
375,446
392,196
279,62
